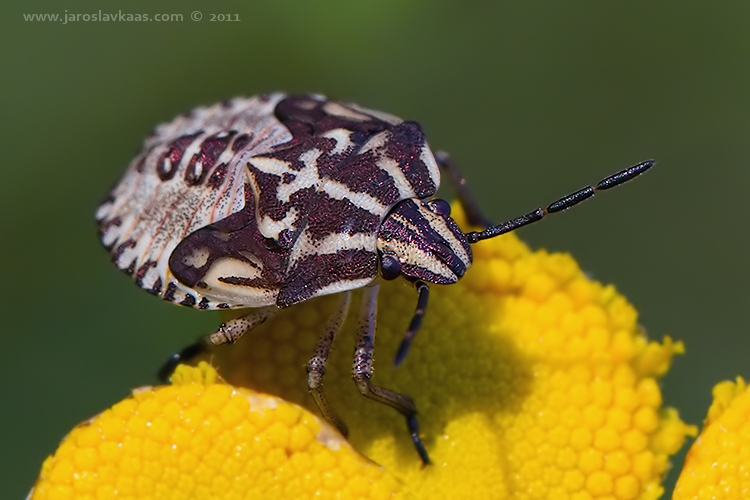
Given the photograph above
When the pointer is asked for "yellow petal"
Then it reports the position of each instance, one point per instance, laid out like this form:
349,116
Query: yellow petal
203,439
718,463
531,381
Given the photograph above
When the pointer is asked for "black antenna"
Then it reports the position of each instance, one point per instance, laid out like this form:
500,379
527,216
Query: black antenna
562,204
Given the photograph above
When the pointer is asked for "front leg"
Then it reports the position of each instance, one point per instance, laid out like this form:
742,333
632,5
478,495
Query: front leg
362,370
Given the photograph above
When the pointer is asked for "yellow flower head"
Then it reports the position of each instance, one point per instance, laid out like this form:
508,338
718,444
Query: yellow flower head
531,381
718,465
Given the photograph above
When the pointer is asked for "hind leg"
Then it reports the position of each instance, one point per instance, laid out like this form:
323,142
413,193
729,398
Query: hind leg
473,214
228,333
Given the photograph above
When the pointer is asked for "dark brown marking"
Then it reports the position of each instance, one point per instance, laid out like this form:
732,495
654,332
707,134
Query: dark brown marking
108,199
202,162
106,225
142,270
235,236
156,288
218,176
166,165
405,146
307,121
240,142
189,300
308,111
331,216
129,243
314,272
203,303
169,293
361,174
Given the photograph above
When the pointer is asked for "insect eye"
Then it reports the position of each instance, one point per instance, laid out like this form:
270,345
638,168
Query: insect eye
390,267
441,207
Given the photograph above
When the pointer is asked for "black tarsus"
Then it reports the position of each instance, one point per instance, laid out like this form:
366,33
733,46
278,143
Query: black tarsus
563,203
413,426
188,353
416,322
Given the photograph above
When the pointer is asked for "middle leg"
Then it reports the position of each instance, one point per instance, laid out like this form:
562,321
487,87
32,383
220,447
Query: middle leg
316,367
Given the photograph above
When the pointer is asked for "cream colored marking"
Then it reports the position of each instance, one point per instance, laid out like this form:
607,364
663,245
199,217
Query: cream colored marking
158,214
228,267
167,164
412,254
439,226
390,165
305,178
341,136
335,242
343,286
271,228
380,115
252,258
197,258
432,167
340,191
270,165
246,296
311,104
149,222
376,142
331,244
337,109
197,169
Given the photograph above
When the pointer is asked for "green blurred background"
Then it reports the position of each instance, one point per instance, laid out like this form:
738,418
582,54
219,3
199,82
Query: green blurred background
533,99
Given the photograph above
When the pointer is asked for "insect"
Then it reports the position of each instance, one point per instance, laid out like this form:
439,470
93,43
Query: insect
268,201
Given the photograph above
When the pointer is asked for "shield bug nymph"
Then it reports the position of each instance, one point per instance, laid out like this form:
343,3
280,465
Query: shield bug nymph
266,202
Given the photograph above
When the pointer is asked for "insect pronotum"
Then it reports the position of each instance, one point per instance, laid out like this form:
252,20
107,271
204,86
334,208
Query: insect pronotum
268,201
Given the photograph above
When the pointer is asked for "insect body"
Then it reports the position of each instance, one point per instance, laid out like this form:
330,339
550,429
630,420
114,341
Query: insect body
265,202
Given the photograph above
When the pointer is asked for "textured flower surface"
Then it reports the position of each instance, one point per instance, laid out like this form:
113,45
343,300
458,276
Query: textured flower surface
717,467
201,438
531,381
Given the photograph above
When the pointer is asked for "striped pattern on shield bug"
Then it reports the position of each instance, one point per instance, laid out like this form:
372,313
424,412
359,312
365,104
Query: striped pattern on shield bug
268,201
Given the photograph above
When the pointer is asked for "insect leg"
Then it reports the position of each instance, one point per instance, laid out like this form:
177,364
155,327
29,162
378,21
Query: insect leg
228,332
362,370
473,214
316,367
416,322
185,355
231,331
